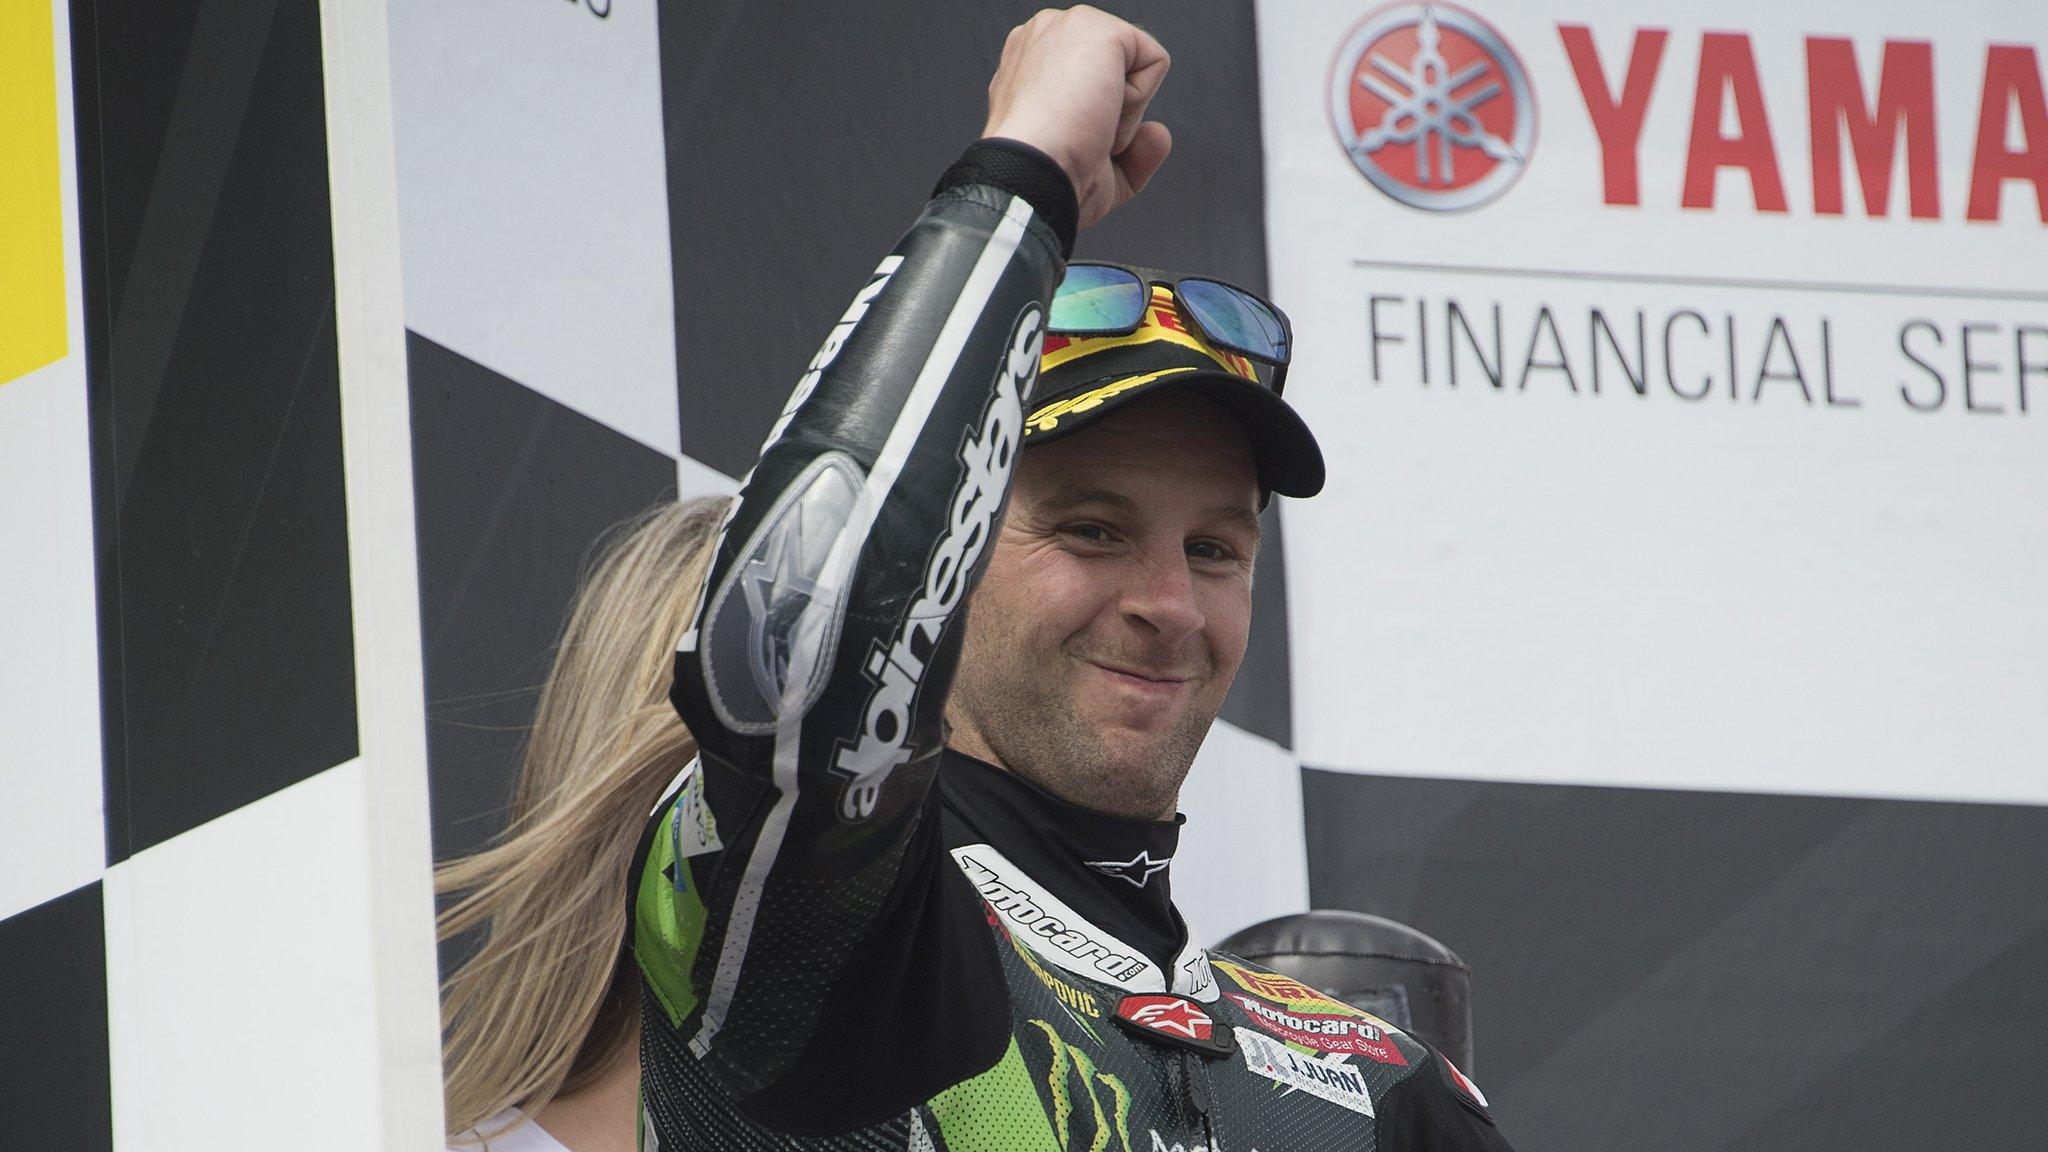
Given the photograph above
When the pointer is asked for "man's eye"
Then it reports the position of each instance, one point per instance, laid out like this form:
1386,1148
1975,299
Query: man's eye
1093,533
1209,550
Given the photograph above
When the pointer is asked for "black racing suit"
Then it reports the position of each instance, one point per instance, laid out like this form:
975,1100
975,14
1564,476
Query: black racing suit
850,938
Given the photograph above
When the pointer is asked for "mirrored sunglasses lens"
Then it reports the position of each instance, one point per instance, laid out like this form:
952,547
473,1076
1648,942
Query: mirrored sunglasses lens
1235,320
1096,299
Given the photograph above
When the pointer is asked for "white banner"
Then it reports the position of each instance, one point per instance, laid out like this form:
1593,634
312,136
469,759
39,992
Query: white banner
534,193
1683,376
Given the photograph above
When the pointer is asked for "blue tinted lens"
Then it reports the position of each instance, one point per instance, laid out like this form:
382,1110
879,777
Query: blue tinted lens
1236,321
1098,300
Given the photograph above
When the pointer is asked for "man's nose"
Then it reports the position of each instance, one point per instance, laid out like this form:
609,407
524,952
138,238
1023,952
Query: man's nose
1161,593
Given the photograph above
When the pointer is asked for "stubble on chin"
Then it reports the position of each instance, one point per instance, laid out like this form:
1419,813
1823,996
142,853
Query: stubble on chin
1040,734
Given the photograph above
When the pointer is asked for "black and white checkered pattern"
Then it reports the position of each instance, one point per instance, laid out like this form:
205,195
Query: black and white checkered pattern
190,898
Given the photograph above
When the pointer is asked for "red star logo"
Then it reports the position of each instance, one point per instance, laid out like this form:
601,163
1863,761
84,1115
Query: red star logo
1171,1014
1167,1018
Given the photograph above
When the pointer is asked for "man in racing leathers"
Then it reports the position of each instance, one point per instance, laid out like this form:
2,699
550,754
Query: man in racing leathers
852,936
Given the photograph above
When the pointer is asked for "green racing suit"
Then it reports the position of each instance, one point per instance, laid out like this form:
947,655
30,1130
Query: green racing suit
850,937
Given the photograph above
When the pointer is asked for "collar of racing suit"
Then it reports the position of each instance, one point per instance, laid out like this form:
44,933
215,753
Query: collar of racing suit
1111,869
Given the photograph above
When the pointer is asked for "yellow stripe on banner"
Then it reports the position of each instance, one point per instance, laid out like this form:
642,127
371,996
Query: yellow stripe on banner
32,328
1048,418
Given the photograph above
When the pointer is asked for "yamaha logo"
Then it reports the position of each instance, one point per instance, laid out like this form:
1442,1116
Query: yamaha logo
1432,106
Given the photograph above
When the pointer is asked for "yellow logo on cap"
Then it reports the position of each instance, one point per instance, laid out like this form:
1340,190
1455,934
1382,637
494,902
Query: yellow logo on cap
32,319
1048,417
1162,323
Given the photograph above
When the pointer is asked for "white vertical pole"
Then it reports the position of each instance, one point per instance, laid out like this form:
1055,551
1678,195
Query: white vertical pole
377,460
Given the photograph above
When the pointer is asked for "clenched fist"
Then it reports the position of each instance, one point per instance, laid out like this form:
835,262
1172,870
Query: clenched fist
1075,84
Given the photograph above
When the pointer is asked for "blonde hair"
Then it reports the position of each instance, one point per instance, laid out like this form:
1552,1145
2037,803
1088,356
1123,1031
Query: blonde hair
544,1005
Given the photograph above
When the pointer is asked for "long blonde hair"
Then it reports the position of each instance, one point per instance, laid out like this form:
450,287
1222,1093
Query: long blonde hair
544,1006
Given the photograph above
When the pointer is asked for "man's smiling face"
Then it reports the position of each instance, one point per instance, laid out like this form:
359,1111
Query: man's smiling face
1116,607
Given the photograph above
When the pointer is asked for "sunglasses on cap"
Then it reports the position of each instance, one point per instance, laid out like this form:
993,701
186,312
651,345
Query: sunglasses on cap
1099,299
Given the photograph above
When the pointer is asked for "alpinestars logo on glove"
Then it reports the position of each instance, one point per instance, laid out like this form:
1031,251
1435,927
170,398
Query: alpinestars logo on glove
899,669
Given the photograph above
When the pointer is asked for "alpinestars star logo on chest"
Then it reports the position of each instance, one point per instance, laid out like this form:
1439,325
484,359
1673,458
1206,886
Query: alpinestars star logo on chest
1137,871
1165,1018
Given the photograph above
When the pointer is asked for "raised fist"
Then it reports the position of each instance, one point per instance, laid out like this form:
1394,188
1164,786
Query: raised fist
1075,84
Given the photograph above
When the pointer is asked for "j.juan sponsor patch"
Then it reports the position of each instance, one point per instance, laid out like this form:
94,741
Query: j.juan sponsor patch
1329,1077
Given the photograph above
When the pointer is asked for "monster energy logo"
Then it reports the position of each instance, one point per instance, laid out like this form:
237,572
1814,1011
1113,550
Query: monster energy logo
1105,1120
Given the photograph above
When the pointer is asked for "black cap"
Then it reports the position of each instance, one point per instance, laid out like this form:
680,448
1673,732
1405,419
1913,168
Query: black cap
1081,379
